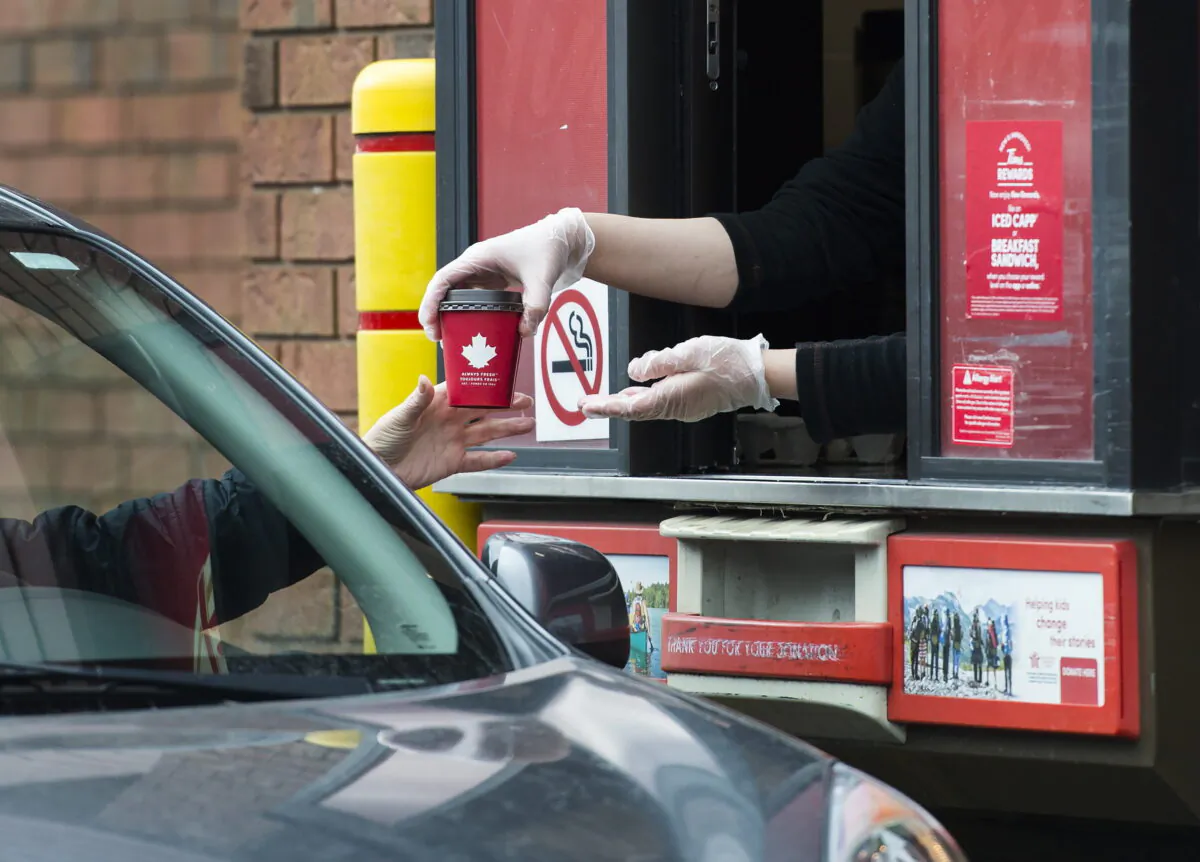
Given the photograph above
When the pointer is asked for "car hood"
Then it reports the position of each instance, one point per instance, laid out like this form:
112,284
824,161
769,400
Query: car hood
565,761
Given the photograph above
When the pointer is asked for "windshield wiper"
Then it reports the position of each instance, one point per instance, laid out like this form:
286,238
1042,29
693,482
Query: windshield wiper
46,678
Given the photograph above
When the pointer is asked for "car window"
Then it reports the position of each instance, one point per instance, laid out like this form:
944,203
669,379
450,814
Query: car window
162,501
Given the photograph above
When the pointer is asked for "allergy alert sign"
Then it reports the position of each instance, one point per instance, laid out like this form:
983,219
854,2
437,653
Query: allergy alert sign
983,405
1014,220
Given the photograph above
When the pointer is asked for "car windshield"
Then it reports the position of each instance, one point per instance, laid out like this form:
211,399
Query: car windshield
165,503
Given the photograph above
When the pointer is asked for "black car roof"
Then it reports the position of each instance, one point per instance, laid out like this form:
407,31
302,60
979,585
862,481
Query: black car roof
19,211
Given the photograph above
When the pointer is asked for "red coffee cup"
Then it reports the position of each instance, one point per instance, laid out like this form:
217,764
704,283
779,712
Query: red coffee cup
480,346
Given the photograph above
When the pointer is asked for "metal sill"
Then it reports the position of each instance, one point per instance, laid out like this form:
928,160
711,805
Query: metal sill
821,493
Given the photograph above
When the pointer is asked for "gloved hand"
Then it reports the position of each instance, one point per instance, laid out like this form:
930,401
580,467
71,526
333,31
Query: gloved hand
700,378
538,257
425,440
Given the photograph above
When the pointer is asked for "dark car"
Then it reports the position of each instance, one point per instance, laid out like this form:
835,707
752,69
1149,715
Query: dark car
228,632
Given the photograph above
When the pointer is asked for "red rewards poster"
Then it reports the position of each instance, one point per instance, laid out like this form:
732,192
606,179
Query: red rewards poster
1014,220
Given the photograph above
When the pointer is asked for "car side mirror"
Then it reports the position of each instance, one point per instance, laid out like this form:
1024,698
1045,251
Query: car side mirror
571,589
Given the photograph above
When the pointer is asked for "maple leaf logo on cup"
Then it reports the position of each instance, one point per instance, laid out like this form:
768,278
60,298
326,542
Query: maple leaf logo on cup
481,345
479,353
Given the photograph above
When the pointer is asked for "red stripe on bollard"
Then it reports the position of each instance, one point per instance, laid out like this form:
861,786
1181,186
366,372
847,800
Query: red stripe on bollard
399,142
376,320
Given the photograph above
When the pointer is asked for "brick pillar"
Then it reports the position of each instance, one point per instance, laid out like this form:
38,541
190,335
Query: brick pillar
125,112
300,60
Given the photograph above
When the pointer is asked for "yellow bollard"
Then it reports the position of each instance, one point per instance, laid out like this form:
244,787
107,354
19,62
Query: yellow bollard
395,248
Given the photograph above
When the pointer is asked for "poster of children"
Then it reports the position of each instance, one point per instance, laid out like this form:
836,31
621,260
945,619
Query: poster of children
1033,637
647,583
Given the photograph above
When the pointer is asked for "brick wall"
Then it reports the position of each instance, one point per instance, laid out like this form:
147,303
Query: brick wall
301,59
125,112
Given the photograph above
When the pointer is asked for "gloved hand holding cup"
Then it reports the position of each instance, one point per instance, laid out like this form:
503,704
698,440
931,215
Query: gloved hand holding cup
538,258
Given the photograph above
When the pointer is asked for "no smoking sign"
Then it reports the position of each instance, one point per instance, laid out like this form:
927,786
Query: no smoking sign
572,361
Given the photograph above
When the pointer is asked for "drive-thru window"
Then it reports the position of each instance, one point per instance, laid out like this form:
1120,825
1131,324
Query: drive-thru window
1002,596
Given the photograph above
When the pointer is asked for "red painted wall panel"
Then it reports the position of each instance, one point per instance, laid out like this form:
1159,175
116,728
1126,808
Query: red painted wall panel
541,122
1015,121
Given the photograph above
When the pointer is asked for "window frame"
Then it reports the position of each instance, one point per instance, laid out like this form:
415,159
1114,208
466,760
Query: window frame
1111,465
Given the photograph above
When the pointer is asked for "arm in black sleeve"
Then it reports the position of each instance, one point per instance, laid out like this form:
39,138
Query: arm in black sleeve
152,551
255,549
852,387
838,222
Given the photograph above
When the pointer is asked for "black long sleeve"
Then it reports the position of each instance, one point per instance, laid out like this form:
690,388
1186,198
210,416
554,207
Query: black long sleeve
839,224
150,551
255,549
852,387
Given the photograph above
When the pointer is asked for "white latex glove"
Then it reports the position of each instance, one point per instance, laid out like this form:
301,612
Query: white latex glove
540,257
700,378
425,440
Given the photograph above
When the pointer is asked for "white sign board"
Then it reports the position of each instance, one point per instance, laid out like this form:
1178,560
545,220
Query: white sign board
1020,636
571,358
